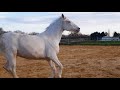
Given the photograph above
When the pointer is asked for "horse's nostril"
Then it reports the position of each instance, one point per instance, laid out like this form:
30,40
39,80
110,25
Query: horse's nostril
79,28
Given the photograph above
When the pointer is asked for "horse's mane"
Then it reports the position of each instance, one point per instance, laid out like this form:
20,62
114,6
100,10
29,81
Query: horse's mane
52,23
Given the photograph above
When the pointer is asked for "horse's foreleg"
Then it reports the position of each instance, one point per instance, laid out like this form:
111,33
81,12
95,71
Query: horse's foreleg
54,58
53,68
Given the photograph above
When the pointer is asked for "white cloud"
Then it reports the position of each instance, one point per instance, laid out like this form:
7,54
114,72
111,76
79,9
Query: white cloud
29,19
34,20
24,27
4,13
2,17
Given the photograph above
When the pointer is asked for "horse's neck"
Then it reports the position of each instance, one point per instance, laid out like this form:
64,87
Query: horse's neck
54,32
54,36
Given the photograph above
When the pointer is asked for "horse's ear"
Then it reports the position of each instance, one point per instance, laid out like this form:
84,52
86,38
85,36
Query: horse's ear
63,16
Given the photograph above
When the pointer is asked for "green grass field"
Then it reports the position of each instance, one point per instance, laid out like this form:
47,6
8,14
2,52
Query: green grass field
101,43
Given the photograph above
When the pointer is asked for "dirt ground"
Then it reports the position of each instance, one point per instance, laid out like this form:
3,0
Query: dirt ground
78,62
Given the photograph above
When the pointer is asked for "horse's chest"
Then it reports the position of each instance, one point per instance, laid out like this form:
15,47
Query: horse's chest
52,47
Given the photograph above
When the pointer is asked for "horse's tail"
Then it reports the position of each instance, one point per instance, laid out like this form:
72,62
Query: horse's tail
1,44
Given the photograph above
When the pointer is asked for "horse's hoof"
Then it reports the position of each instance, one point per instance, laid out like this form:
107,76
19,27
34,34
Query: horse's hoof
51,77
16,77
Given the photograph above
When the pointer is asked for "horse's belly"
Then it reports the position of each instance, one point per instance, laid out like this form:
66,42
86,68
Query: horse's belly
32,52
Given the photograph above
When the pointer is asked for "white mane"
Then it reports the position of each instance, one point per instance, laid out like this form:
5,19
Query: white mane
54,23
54,30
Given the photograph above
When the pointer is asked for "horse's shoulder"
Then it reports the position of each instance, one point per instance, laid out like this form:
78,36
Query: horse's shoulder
50,44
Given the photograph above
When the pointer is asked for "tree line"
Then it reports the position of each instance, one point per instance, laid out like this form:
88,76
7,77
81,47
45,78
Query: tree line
98,35
17,31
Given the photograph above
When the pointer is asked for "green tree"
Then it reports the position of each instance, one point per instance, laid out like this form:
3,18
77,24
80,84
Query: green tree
116,34
33,33
18,31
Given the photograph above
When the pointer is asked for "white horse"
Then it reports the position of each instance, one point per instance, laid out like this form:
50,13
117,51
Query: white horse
44,45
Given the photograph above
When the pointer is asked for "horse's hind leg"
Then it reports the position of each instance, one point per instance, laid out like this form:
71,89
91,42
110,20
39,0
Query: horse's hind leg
11,63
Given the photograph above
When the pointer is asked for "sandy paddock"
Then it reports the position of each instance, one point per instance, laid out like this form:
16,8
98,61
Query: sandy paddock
78,62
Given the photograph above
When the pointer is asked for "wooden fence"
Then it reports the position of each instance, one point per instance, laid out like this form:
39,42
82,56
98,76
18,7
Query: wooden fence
71,41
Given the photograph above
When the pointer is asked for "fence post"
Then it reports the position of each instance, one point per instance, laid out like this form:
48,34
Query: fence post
68,41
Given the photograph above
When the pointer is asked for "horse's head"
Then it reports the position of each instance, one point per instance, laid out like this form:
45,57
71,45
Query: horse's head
69,25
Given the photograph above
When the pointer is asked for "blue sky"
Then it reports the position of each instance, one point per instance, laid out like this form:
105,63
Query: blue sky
37,21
